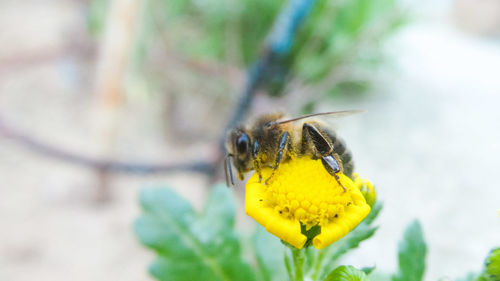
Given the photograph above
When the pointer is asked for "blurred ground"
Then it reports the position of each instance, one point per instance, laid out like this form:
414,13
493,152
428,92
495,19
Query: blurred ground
428,140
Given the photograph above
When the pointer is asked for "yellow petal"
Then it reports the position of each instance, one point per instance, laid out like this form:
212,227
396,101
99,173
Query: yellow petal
334,231
303,192
256,207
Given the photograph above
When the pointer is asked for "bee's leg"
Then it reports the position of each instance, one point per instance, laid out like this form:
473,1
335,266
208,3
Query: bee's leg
330,160
228,170
279,156
339,162
256,159
333,165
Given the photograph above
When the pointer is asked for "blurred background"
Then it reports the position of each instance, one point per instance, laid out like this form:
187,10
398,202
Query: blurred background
99,98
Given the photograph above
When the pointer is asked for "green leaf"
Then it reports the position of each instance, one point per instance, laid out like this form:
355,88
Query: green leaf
368,270
491,269
191,246
346,273
352,240
374,212
492,264
269,254
411,253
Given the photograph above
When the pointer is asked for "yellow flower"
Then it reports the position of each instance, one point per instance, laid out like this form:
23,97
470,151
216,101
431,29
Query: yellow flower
366,188
303,193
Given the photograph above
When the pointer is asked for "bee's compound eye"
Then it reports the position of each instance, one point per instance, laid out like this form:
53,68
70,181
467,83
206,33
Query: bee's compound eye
243,143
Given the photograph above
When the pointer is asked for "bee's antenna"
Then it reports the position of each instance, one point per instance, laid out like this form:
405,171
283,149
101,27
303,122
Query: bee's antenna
333,113
228,170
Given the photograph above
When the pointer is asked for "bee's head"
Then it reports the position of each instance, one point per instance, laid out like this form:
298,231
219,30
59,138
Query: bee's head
238,146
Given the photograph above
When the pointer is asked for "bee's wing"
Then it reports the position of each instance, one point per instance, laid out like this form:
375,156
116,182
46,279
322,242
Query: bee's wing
332,114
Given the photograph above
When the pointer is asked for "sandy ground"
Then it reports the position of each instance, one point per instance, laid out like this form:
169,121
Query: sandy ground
428,140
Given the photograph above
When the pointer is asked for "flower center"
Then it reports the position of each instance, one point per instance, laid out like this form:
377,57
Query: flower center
303,194
307,192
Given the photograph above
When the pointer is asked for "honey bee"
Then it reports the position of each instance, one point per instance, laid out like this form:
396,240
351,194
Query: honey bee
272,140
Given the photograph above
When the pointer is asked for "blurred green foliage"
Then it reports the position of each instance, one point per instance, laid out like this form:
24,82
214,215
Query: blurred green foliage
412,252
96,15
337,34
491,268
332,254
492,265
270,262
191,245
229,30
337,39
347,273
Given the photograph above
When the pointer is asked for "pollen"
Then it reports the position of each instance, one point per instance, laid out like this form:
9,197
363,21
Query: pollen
303,193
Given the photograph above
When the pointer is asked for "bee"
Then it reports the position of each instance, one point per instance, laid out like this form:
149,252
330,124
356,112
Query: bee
272,139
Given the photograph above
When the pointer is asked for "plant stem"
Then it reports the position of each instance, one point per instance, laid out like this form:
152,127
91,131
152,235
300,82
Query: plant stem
298,262
317,263
288,264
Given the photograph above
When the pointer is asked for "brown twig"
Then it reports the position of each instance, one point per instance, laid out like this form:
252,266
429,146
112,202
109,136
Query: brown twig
108,165
28,60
